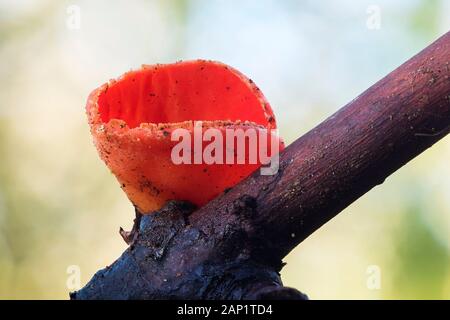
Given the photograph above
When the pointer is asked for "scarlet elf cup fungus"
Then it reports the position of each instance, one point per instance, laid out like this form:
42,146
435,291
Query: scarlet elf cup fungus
147,124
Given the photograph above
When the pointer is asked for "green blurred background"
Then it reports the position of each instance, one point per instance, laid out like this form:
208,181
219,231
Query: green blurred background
60,208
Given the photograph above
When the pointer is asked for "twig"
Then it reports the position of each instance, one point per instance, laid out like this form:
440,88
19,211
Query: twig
232,247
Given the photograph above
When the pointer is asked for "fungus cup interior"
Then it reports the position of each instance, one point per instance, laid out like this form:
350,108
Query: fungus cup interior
184,91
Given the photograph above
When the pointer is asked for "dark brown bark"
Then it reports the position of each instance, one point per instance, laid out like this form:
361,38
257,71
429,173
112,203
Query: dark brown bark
233,246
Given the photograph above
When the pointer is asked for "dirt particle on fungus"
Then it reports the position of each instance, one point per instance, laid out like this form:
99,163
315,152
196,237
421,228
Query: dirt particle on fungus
147,185
151,94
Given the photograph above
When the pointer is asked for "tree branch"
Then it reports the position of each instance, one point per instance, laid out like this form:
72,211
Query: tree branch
232,247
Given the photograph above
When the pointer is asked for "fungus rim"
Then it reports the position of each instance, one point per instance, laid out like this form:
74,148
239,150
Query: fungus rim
121,126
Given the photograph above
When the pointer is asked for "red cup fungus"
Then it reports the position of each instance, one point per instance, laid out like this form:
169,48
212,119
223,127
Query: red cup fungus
134,119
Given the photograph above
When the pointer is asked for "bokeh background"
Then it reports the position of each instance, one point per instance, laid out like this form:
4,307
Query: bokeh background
60,208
